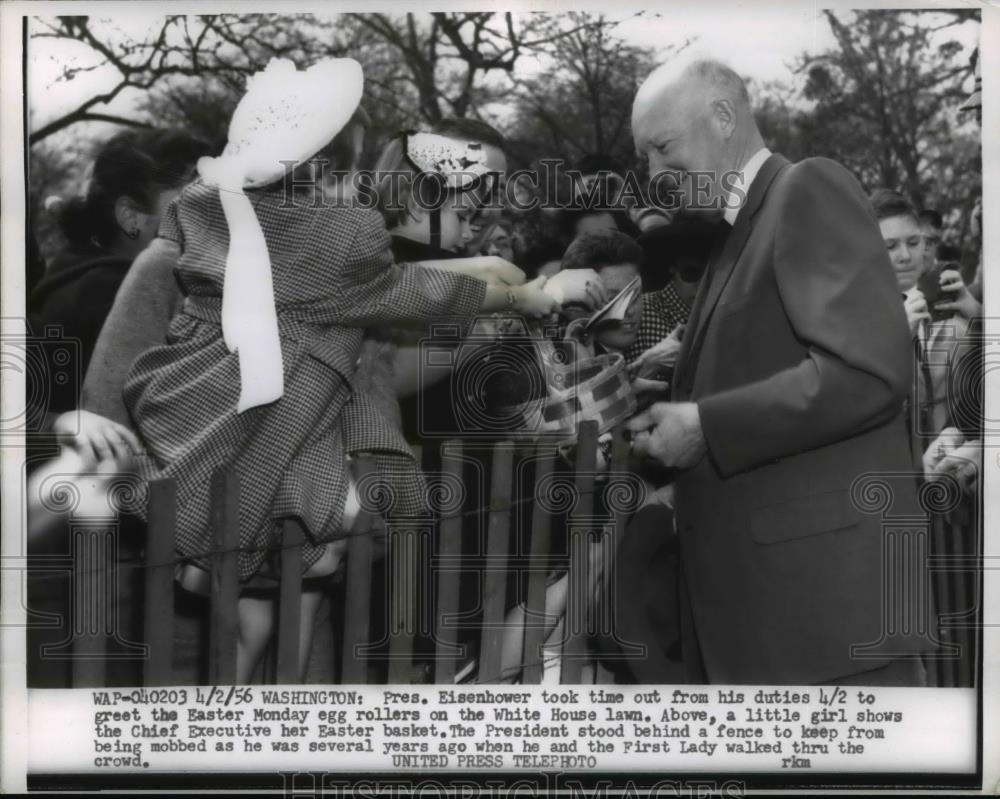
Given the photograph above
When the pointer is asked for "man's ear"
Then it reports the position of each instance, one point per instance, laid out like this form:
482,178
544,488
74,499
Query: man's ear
725,116
414,211
127,215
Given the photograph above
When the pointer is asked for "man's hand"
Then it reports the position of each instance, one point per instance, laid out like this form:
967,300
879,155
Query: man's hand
647,390
660,358
948,441
577,287
669,432
916,309
97,437
962,463
962,303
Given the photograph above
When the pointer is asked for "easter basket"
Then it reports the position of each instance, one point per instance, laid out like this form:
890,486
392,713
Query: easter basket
596,389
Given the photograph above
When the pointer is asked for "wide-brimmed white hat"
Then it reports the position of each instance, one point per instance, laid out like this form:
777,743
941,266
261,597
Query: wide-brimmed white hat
286,117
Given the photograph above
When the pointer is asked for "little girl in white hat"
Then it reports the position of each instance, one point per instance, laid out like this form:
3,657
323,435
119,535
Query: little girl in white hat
258,369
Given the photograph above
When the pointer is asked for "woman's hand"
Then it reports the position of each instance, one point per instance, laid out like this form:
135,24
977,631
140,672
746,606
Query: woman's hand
963,303
95,436
916,309
660,358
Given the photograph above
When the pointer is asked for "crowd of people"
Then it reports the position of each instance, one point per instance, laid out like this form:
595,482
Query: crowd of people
226,318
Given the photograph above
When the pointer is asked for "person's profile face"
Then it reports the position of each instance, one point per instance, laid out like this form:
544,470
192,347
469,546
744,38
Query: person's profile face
499,242
487,198
682,147
905,243
456,232
619,335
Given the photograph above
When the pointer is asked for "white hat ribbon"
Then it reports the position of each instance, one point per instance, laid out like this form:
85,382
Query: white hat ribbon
249,317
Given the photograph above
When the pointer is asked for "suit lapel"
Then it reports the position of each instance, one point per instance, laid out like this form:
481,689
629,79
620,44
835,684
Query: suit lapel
683,357
720,270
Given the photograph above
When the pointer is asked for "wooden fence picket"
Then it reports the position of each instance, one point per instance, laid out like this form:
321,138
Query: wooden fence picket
158,620
224,590
413,593
357,607
290,603
449,554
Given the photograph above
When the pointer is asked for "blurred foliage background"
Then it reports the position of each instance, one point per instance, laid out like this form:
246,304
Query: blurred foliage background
883,100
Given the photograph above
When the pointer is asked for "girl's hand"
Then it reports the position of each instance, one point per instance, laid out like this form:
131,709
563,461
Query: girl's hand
531,299
964,304
916,309
94,436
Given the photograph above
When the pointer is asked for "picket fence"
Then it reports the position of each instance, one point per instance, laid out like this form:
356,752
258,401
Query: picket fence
954,542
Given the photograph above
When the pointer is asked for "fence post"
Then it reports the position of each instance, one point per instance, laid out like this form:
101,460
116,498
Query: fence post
406,569
159,612
94,555
541,534
964,594
619,464
495,579
94,636
448,574
408,583
579,541
289,669
358,600
223,626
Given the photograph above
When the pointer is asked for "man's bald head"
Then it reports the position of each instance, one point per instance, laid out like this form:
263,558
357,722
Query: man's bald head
679,81
694,117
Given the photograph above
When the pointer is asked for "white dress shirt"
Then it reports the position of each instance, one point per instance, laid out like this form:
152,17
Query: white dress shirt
743,180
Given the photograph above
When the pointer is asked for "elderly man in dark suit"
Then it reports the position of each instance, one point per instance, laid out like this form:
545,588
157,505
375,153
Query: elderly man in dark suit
790,385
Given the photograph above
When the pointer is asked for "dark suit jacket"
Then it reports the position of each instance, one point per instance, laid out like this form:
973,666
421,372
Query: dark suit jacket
798,355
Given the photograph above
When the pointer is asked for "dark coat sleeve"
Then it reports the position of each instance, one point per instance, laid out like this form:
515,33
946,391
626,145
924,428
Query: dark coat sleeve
146,302
841,298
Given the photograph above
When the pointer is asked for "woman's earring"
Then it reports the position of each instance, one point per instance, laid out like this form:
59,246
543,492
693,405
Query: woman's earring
133,233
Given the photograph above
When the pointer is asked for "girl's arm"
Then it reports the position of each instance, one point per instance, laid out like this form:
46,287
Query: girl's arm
528,299
373,292
490,268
